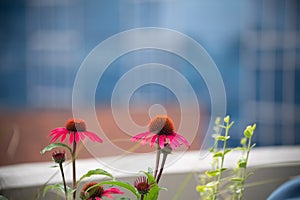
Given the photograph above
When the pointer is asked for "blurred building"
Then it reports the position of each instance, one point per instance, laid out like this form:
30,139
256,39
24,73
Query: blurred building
255,45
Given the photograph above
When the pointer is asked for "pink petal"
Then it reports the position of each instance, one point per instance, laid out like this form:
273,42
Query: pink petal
162,139
71,139
56,137
140,136
153,140
76,137
182,139
110,191
93,136
63,137
81,135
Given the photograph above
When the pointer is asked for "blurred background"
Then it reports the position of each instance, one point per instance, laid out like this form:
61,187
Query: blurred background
255,45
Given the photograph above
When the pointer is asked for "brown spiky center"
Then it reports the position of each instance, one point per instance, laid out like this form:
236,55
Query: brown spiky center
92,193
161,125
142,185
76,125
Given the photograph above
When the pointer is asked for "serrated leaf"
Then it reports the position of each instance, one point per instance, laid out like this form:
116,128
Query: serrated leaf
154,191
218,154
95,172
222,138
55,145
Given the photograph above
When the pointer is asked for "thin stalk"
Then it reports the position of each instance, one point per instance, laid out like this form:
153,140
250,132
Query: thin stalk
222,161
74,166
245,169
157,160
64,180
142,197
162,166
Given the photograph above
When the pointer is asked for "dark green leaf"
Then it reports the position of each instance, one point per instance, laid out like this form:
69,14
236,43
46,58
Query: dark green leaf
95,172
223,169
55,145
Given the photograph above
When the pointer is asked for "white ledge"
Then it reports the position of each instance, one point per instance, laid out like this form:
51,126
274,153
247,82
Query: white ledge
35,174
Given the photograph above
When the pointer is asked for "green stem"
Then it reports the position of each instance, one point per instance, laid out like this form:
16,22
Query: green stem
64,180
74,166
157,160
222,162
245,169
162,166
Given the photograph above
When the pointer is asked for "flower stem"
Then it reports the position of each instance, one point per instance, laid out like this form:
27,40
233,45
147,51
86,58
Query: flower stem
74,166
64,180
157,160
162,166
142,197
245,169
222,162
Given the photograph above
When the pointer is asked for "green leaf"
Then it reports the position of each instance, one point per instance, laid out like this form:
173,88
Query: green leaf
227,151
212,173
236,179
243,141
201,188
122,184
253,145
57,187
242,164
222,138
124,198
227,119
55,145
95,172
212,184
223,169
154,191
218,154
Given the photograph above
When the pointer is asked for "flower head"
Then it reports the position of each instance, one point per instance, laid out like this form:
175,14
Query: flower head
77,130
161,131
142,185
59,157
97,192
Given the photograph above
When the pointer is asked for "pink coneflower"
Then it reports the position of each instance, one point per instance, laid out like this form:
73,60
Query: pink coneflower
77,129
161,131
142,185
97,192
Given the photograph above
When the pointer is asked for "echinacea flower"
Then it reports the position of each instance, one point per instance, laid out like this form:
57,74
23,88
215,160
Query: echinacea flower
142,185
59,157
77,129
161,131
97,192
